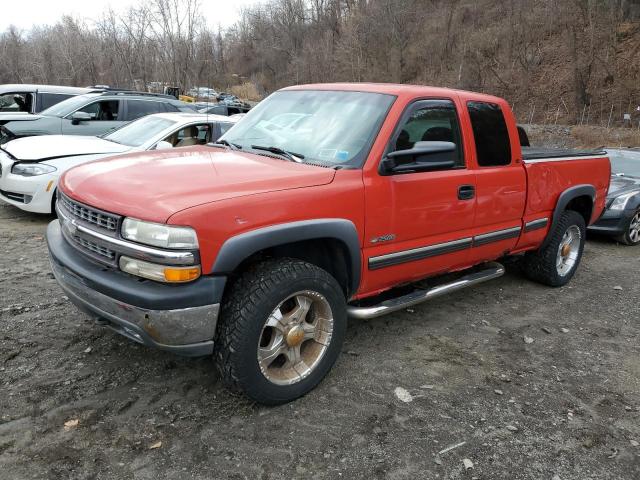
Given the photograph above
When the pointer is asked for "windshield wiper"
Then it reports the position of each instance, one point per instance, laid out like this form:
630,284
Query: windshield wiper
232,146
294,157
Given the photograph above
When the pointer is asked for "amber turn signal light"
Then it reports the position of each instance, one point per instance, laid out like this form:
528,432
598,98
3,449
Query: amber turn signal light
159,273
181,274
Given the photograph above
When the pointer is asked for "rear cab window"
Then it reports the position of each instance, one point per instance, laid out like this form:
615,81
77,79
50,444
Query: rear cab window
493,143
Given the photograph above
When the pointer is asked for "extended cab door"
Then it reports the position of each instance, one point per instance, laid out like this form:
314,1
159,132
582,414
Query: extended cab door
419,223
501,185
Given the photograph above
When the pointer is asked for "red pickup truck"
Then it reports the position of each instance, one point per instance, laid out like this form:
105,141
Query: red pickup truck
325,201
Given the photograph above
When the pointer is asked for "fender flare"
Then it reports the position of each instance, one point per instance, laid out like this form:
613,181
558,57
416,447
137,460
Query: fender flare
240,247
564,199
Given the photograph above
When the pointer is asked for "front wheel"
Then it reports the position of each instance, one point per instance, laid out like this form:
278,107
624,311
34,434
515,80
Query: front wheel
632,234
557,262
281,329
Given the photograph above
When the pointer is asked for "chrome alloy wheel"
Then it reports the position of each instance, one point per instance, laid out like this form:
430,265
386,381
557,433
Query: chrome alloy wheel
634,228
568,250
295,337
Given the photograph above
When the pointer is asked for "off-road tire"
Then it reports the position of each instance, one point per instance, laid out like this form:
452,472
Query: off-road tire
625,238
252,297
540,266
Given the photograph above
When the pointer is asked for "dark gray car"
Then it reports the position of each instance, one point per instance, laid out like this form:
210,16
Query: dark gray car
621,217
89,114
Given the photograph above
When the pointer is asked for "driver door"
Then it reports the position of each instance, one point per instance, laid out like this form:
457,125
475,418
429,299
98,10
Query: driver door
105,115
420,223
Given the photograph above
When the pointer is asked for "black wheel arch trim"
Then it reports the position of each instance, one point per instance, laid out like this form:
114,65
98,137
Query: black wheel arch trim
240,247
563,200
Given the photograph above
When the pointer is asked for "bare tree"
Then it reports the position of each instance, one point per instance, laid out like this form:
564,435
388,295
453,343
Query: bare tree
531,51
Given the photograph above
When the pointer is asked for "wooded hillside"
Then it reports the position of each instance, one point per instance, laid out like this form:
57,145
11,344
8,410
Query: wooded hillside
572,59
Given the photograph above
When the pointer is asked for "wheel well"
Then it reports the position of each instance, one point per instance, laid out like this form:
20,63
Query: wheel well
583,205
53,202
327,253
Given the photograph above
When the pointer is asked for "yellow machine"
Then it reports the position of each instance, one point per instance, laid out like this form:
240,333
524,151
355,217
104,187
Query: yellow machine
175,92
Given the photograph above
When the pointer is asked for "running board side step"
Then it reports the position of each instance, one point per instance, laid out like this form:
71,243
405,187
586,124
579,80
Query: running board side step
492,270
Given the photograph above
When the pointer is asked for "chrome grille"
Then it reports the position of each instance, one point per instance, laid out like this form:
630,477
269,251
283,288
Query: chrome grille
95,248
95,234
90,215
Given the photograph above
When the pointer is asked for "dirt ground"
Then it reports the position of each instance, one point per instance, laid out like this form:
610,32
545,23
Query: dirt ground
566,405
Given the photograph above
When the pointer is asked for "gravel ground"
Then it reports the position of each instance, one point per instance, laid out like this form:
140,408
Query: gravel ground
563,404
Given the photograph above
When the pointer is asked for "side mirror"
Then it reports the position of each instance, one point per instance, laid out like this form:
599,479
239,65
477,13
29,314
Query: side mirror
423,157
78,117
162,145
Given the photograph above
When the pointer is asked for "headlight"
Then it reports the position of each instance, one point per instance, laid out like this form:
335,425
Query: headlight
620,203
31,169
159,235
159,273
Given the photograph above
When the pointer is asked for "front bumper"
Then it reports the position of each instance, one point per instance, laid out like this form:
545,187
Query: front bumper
178,318
613,222
31,194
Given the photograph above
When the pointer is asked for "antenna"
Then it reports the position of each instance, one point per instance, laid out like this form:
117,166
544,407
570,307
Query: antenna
210,87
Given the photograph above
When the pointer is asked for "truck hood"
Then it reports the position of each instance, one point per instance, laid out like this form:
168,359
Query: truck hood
47,147
155,185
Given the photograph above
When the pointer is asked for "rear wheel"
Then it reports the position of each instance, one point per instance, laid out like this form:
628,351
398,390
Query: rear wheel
556,263
281,329
632,234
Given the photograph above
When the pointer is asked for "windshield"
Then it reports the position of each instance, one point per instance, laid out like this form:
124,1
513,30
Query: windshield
627,163
139,132
67,106
319,126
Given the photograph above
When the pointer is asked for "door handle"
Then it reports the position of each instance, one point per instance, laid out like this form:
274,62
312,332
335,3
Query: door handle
466,192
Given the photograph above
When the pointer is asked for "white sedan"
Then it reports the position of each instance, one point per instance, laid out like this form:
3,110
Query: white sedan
30,167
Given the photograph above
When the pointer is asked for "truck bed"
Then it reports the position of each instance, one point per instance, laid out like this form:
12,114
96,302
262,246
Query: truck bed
537,153
551,171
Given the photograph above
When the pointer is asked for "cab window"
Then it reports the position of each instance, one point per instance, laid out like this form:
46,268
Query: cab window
16,102
493,145
104,110
224,126
431,121
191,135
47,100
140,108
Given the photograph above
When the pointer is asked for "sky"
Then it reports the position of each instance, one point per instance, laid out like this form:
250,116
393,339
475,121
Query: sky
26,13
